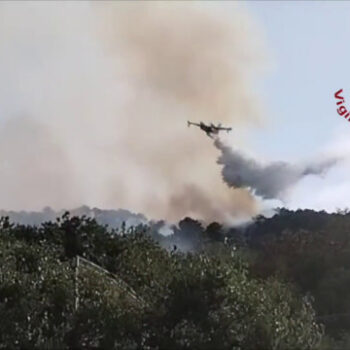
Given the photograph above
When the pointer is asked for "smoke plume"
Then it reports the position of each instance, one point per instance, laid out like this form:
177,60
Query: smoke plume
269,181
107,89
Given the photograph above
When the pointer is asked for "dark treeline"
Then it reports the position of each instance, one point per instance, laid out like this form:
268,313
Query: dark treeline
278,283
112,218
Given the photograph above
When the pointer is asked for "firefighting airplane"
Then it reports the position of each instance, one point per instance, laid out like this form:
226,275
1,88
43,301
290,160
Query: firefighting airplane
209,129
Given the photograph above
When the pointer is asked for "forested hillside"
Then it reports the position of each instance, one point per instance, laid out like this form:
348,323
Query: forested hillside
279,283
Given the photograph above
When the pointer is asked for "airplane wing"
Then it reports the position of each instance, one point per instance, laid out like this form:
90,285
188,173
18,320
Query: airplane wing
190,123
222,128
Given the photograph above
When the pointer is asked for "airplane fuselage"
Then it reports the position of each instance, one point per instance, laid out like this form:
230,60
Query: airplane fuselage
209,129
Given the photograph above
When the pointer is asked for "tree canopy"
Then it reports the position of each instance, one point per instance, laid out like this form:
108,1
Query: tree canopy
204,299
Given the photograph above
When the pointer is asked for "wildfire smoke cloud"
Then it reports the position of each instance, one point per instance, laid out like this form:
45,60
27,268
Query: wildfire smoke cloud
100,94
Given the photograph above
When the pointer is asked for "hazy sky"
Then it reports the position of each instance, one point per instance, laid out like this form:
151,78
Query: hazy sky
310,58
310,55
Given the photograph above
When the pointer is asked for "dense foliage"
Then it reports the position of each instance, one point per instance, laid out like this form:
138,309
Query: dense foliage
206,299
307,249
311,250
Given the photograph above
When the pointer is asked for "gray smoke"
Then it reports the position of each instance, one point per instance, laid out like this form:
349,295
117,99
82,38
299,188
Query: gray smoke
269,181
